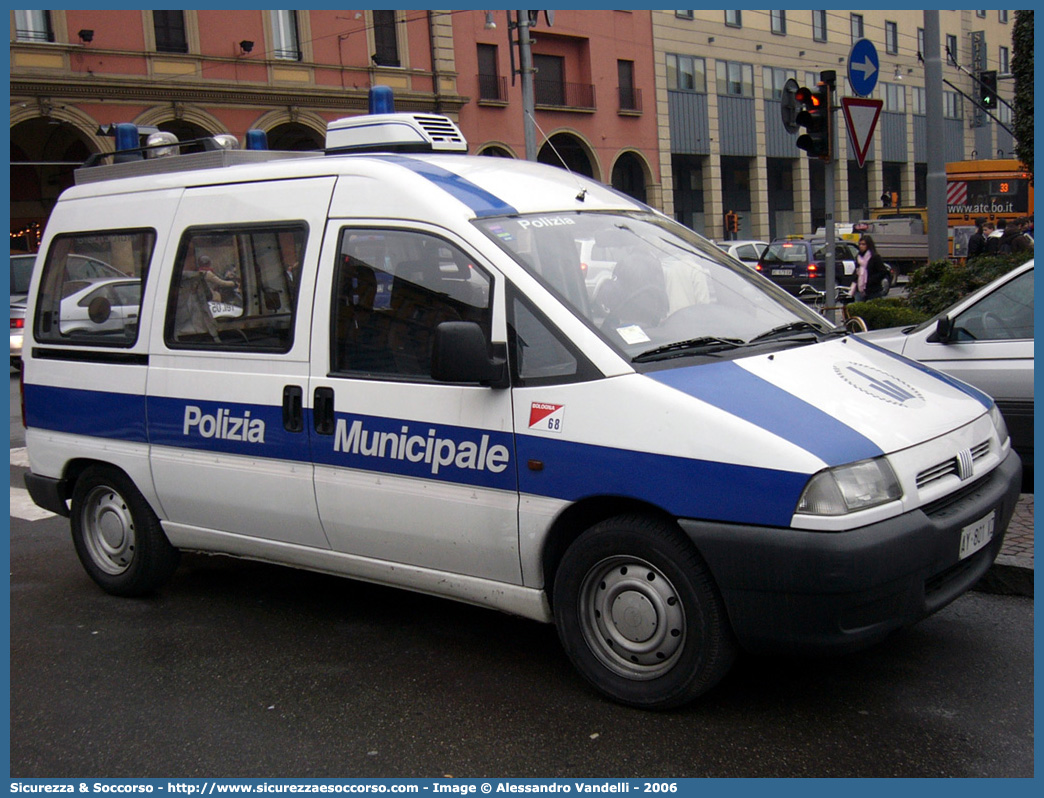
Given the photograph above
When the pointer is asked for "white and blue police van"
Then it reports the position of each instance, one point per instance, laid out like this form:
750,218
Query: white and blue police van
496,382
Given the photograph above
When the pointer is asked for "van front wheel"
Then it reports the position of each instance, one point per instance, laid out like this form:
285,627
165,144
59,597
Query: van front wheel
117,535
639,615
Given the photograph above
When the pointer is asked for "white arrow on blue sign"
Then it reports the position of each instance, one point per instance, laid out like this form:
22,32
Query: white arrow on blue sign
863,67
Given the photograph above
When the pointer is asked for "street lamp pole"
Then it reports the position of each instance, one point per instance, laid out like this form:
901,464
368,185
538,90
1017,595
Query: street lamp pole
936,184
525,59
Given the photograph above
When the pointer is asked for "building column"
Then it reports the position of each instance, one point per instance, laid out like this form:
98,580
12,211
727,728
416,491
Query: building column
759,198
908,192
663,134
713,199
875,182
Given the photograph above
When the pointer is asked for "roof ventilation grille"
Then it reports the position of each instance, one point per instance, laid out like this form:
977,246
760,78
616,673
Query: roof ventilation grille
394,133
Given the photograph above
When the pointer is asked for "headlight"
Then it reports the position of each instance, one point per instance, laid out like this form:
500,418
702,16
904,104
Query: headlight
846,489
998,422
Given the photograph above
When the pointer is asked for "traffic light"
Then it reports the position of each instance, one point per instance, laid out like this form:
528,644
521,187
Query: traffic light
816,119
988,89
732,222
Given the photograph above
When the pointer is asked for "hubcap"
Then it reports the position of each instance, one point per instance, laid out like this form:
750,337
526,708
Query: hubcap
108,530
632,617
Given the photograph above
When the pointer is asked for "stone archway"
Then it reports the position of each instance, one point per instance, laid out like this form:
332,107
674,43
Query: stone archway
294,136
186,122
185,131
568,151
496,151
292,130
45,152
631,175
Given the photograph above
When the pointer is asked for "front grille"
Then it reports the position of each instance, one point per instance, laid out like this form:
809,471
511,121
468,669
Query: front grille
952,502
951,466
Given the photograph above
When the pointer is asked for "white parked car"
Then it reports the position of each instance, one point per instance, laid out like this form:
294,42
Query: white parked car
104,306
986,340
748,250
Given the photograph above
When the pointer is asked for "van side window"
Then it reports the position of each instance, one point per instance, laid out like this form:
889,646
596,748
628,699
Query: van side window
391,290
91,286
539,354
236,288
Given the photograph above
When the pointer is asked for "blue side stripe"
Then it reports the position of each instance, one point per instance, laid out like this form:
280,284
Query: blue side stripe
571,471
478,199
100,414
953,382
740,393
443,452
684,487
225,427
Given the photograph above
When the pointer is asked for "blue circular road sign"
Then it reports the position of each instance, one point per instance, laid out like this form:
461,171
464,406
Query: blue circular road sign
863,67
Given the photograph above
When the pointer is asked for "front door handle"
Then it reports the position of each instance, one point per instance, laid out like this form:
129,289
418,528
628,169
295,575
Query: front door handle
323,411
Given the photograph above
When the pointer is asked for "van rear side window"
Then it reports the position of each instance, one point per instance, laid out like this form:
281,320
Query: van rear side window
91,287
236,289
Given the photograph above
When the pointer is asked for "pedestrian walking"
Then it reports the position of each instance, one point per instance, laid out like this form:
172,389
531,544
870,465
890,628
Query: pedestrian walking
870,272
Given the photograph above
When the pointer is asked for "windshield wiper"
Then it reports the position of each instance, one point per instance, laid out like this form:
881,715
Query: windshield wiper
704,345
792,327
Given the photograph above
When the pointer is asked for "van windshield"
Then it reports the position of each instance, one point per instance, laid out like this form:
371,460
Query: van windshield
648,283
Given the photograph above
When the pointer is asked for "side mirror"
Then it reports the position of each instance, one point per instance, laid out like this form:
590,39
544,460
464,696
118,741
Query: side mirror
99,310
943,331
461,353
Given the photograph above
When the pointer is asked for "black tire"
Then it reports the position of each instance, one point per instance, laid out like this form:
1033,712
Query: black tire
118,537
639,615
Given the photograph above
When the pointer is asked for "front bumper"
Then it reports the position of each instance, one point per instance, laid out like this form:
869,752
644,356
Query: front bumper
797,591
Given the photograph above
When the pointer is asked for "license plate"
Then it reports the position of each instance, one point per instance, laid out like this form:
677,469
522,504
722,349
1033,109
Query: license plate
977,535
782,272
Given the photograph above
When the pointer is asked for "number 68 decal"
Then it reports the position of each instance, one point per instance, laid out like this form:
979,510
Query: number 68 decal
546,417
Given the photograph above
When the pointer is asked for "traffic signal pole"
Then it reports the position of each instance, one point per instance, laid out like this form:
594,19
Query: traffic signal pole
820,141
830,302
831,280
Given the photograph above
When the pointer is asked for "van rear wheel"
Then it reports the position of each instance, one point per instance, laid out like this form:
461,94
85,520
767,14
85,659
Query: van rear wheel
639,615
117,536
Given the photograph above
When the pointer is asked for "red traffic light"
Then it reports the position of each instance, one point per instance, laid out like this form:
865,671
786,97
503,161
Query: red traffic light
815,118
807,97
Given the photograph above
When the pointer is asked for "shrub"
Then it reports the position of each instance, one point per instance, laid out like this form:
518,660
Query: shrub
939,284
933,288
887,312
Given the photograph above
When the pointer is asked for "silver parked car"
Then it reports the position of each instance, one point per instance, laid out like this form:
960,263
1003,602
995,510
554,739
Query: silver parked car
21,274
986,340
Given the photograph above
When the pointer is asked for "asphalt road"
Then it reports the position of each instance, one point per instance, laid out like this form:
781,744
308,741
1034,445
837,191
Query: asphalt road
240,669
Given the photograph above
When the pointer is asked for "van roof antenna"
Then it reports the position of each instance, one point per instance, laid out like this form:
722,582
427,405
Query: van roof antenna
582,194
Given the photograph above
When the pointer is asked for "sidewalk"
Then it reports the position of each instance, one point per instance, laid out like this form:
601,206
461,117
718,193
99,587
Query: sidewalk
1012,573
